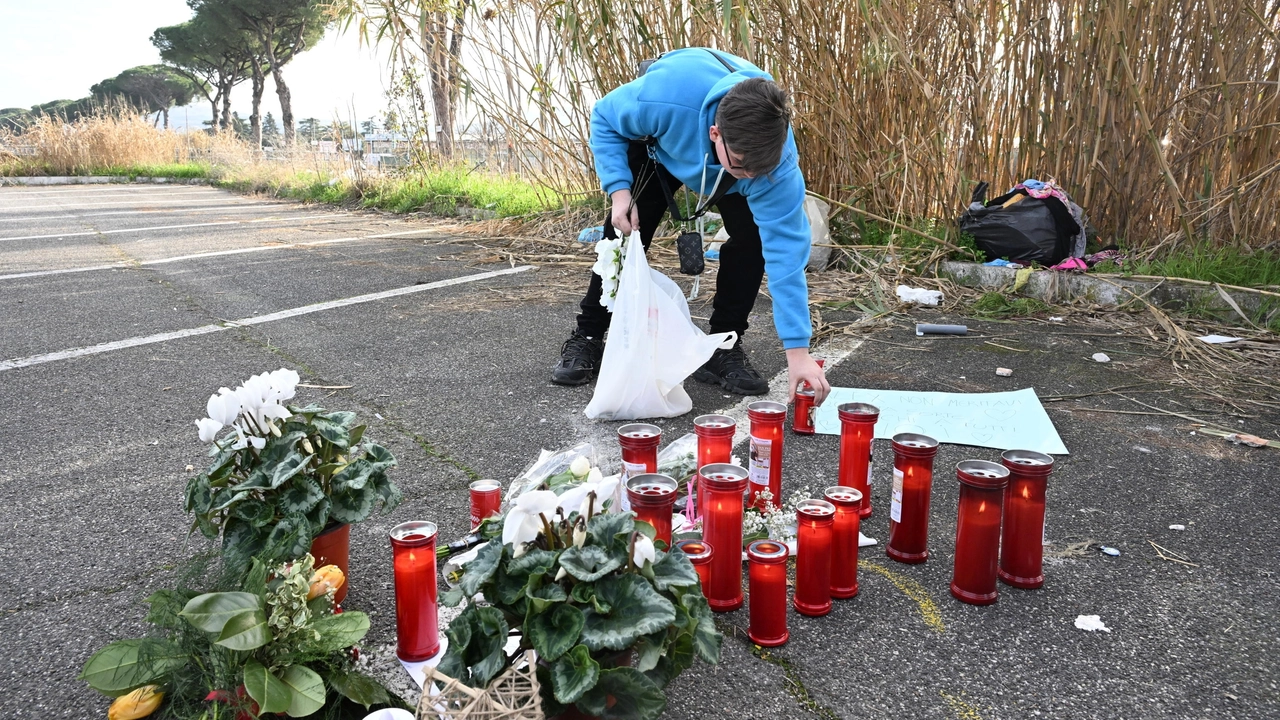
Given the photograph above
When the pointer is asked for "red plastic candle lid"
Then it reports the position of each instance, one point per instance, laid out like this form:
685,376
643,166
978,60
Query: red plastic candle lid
982,474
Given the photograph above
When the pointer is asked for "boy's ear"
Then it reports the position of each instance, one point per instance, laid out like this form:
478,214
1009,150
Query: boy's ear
714,132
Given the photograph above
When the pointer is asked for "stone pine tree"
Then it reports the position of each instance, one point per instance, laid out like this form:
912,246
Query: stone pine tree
270,131
211,56
283,28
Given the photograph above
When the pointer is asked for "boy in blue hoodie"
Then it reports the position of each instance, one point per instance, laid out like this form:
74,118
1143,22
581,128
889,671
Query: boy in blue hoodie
718,125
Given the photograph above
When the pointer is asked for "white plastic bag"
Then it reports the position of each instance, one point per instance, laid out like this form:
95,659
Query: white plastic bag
819,232
653,346
920,296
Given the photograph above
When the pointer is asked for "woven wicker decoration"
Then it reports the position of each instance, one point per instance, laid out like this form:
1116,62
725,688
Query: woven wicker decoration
513,695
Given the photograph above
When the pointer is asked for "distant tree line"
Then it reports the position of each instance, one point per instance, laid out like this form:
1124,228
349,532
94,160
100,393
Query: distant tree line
224,44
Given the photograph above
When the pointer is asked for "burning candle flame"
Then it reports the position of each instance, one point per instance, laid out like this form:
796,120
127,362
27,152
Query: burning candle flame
982,507
1026,492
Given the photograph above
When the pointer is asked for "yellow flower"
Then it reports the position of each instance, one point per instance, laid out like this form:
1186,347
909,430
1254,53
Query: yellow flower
137,704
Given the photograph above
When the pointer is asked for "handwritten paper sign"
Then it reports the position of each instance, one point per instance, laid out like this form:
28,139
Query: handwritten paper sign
1003,420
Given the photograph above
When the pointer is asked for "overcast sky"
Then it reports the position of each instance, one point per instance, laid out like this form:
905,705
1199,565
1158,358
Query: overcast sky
56,49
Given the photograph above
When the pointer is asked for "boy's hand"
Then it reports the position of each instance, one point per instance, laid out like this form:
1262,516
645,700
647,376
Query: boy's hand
802,368
625,217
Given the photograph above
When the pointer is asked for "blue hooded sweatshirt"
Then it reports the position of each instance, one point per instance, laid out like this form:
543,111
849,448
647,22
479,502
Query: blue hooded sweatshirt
675,102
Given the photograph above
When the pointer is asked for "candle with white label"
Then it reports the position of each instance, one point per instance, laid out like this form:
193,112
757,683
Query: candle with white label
909,499
765,464
857,434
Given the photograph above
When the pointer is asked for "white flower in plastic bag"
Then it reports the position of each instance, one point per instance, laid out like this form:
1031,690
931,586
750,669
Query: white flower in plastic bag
524,520
580,467
608,266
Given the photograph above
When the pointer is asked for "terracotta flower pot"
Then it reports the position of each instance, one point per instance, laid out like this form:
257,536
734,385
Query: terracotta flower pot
333,547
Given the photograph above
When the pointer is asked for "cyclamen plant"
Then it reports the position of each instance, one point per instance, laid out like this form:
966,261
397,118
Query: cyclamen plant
609,255
282,474
613,619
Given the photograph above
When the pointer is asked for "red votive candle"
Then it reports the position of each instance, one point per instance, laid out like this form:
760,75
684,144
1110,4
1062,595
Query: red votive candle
857,434
639,443
413,550
699,553
767,418
486,499
982,486
1022,539
722,528
802,419
909,502
715,445
652,498
844,540
767,581
815,519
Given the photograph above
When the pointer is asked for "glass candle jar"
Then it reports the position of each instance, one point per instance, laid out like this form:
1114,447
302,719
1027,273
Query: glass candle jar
767,418
844,540
982,487
857,435
715,445
639,443
909,502
815,520
722,527
413,551
767,582
486,499
802,418
652,498
1022,537
699,553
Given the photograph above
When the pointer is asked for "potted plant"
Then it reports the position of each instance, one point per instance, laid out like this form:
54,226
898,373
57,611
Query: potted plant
612,618
283,475
276,645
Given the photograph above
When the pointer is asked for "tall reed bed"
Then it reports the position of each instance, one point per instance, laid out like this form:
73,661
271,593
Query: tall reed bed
1161,118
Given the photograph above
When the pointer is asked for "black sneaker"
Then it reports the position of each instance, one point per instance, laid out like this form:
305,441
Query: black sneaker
731,370
579,360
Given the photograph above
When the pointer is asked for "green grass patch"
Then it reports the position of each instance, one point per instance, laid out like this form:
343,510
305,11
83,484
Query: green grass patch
184,171
1228,265
994,304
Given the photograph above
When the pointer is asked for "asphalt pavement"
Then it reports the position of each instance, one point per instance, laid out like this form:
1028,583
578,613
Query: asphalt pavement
126,306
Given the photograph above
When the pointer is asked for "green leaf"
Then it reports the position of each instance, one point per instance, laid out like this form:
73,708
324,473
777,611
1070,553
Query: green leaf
199,496
542,597
452,597
307,688
648,649
331,431
211,612
585,593
574,674
477,572
387,490
166,606
259,479
534,562
635,609
635,696
318,516
122,666
675,659
476,640
290,538
706,638
224,499
553,633
241,539
674,570
550,706
380,457
356,434
293,464
608,530
357,687
340,631
301,495
343,418
272,695
351,505
246,631
254,511
589,562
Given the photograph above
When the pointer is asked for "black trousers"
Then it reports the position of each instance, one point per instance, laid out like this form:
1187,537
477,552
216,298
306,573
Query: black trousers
741,257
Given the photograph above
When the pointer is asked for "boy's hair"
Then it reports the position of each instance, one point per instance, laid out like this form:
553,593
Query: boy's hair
753,118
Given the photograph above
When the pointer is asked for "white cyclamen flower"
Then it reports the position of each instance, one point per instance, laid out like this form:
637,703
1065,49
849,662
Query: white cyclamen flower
223,407
208,429
285,382
580,467
643,550
524,520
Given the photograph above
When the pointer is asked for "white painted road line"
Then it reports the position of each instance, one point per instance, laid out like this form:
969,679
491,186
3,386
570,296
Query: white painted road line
72,206
59,236
106,189
231,324
95,195
218,253
184,211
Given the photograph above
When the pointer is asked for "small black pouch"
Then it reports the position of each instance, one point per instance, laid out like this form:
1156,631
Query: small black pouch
689,246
